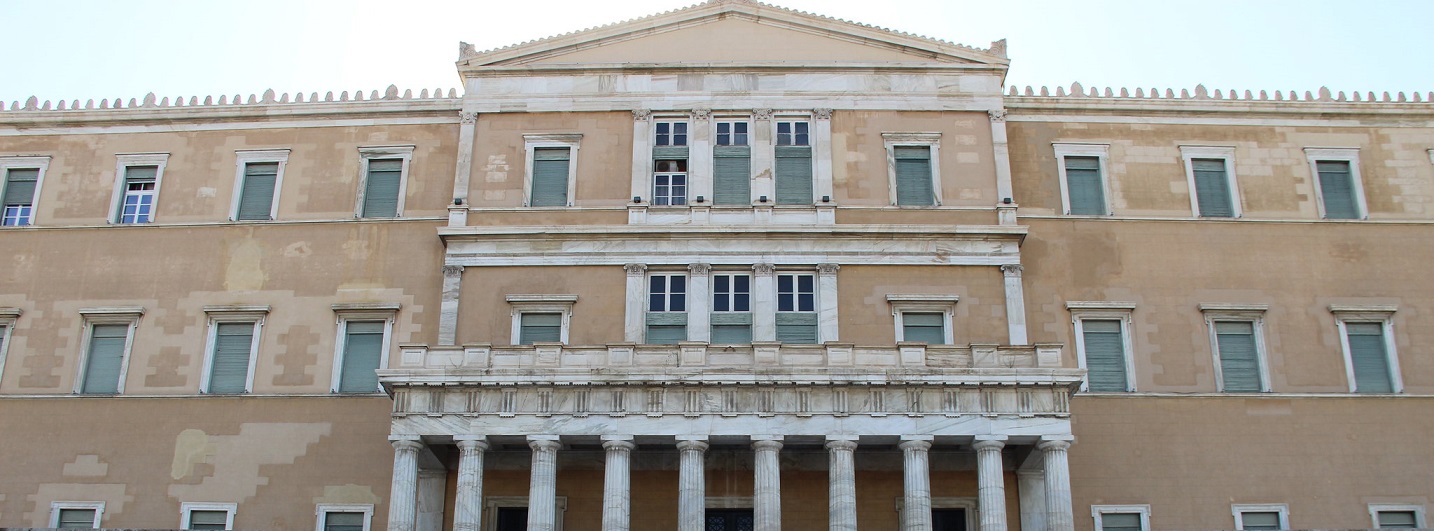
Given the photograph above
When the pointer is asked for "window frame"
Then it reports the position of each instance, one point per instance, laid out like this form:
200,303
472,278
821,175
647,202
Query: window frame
1238,510
671,120
572,141
1121,311
931,140
1224,153
119,315
792,120
1232,313
1351,155
491,504
732,122
369,153
524,304
231,315
242,158
647,310
1102,153
97,506
8,318
1098,512
731,296
41,163
128,160
322,510
1382,315
186,508
920,303
387,313
1418,510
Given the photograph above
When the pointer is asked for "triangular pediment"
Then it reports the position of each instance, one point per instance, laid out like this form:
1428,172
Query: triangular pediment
735,32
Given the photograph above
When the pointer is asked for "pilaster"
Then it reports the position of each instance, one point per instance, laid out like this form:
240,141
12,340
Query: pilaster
1015,304
764,302
448,305
632,324
699,298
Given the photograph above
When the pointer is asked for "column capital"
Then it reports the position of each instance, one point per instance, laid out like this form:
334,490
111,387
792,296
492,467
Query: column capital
997,115
618,444
844,445
691,444
915,445
828,268
1012,270
982,445
772,445
635,270
467,117
467,444
450,270
701,115
822,114
699,268
543,443
764,269
642,115
761,114
1059,445
405,443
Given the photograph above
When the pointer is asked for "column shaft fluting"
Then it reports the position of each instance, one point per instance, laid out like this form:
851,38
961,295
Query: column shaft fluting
543,485
842,476
916,513
403,493
617,481
767,496
991,480
1059,516
692,486
468,500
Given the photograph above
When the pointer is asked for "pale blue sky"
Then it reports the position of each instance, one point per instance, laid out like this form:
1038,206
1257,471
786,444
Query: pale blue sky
96,49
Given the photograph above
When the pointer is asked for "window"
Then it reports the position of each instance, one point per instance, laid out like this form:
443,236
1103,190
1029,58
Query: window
256,184
233,348
20,189
541,318
731,165
731,308
1237,339
137,187
796,308
109,334
207,516
1341,191
1083,187
76,515
923,318
551,176
1103,344
669,163
794,163
362,345
912,164
510,513
1367,337
666,308
343,517
1210,173
1397,516
1121,517
383,180
1264,517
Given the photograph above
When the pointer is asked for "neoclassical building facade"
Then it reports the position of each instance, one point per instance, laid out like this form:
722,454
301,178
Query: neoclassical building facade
825,276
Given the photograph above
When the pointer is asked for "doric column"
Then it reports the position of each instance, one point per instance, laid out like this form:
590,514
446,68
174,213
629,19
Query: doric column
916,509
699,156
403,493
468,121
699,302
432,484
822,154
642,155
1032,486
764,302
543,487
632,323
468,501
1059,515
767,495
827,302
991,481
1015,304
842,477
617,479
691,484
448,305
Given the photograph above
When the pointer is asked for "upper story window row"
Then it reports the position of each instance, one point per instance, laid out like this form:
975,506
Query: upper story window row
1214,189
257,185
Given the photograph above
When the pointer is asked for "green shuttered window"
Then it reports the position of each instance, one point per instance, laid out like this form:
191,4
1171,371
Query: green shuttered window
1084,186
337,521
1239,356
208,520
1397,520
19,195
551,166
731,309
256,198
1260,521
1212,188
1369,355
1336,188
229,369
926,327
913,176
380,194
76,519
794,175
732,175
363,350
106,358
540,327
1120,522
666,309
1104,344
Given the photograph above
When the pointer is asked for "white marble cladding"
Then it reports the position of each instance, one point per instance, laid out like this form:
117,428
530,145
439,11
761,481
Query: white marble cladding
855,87
756,356
755,215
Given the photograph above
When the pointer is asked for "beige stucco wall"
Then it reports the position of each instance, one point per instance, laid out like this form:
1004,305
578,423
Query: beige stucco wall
320,181
1169,268
486,317
859,163
866,318
1147,173
604,164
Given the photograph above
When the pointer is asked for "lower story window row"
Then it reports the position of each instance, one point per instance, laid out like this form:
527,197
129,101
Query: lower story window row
1254,517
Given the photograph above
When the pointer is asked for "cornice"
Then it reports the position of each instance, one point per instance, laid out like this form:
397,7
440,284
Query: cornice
1202,102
